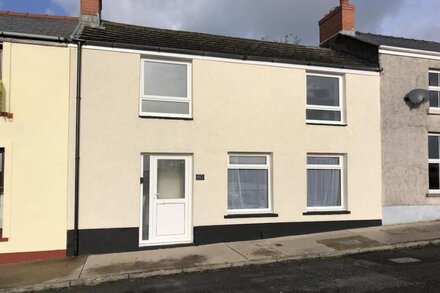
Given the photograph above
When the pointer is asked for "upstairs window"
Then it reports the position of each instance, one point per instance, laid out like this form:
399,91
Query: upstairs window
434,162
165,89
324,99
434,89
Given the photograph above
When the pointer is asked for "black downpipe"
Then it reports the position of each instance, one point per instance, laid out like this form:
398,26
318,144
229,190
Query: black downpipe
77,146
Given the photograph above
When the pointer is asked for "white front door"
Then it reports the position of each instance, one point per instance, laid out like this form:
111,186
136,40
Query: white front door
169,200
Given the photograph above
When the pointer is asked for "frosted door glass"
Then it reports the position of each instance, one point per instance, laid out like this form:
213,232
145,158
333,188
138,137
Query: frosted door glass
165,79
170,179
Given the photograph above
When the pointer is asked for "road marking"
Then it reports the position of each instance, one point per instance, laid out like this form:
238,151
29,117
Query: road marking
403,260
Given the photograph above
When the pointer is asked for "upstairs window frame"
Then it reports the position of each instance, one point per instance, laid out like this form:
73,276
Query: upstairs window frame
433,88
340,108
160,98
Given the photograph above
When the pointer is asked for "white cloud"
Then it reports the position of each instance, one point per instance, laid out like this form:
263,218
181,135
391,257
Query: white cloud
418,19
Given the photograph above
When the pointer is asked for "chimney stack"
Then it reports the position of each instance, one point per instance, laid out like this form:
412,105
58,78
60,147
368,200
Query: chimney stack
91,12
339,20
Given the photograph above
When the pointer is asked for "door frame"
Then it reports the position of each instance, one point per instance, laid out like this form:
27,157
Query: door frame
189,208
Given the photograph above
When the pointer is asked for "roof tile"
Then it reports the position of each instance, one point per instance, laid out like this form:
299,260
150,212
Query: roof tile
118,33
398,42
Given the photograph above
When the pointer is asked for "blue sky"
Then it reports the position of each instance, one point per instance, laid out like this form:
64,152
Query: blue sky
256,18
35,6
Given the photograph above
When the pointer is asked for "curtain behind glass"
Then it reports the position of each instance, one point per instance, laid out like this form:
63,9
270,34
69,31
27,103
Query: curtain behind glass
247,189
323,188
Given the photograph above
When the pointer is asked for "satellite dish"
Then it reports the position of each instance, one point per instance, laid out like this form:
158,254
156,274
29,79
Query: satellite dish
417,97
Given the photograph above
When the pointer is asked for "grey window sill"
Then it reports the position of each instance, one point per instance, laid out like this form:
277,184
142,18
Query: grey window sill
319,213
433,194
242,216
327,124
434,111
166,118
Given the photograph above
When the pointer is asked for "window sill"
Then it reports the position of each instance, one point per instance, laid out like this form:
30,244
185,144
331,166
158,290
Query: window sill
327,124
166,118
242,216
434,111
321,213
1,237
433,194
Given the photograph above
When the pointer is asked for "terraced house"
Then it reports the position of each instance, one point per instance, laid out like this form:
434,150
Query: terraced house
410,132
34,129
120,137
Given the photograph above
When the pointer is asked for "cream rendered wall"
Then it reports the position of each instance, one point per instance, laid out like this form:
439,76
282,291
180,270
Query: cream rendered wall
236,108
36,80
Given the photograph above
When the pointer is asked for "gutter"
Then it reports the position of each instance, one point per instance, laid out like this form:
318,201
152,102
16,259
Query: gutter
225,55
33,37
408,52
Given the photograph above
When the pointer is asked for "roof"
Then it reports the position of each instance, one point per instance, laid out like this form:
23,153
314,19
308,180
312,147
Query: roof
131,36
37,24
381,40
123,35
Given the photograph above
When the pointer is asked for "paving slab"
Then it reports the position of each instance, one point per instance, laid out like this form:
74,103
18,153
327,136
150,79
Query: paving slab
160,259
24,274
306,244
256,250
298,246
401,234
351,242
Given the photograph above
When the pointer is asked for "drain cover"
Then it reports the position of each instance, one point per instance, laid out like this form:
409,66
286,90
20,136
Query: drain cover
404,260
350,242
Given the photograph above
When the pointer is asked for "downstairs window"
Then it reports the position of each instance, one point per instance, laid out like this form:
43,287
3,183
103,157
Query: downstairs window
325,183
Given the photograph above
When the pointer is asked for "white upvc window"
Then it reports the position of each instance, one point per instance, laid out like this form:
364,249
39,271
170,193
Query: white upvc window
249,184
325,183
324,99
165,89
434,90
434,162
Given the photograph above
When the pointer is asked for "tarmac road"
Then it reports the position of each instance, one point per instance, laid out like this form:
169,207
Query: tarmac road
371,272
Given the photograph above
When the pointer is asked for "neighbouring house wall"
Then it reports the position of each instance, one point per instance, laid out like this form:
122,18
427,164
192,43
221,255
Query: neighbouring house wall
236,108
405,141
36,82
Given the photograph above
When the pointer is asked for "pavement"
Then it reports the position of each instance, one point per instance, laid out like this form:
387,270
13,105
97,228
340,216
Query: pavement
96,269
392,271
